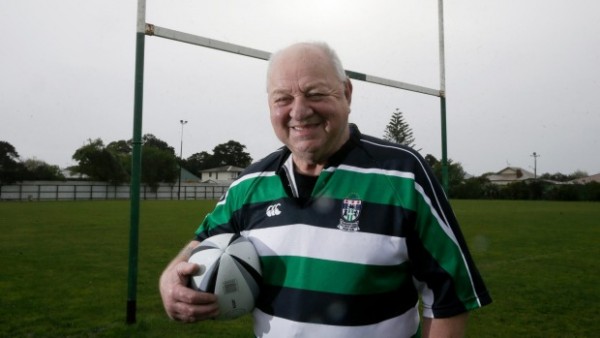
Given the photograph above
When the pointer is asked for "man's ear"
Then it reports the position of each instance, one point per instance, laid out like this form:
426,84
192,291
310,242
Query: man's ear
348,90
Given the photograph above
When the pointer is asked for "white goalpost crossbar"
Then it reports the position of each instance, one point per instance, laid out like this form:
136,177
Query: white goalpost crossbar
153,30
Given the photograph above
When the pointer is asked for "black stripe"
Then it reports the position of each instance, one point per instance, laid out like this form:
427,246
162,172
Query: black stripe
375,218
335,309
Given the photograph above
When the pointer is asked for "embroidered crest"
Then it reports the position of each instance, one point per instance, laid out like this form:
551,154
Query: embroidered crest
351,208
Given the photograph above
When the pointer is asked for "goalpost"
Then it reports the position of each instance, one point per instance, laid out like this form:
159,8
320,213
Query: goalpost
143,29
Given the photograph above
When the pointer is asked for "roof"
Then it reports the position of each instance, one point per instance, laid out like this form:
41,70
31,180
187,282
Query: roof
510,174
588,179
187,176
227,168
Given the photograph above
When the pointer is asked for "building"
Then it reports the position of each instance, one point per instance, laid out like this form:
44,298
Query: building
225,174
510,175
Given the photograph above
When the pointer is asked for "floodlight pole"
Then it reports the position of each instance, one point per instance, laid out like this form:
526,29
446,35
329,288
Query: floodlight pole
535,156
445,183
183,122
136,163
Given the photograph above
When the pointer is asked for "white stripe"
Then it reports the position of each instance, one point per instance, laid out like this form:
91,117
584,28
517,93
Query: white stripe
329,244
427,297
266,326
396,173
252,176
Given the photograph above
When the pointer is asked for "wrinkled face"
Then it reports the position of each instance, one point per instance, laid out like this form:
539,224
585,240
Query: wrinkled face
309,104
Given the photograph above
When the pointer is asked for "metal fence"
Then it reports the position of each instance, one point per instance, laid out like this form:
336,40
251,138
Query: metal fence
77,191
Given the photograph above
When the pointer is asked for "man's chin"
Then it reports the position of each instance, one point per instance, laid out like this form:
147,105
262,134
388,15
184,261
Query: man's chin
306,151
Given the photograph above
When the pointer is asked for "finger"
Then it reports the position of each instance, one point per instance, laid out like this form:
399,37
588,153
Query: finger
190,296
184,270
189,313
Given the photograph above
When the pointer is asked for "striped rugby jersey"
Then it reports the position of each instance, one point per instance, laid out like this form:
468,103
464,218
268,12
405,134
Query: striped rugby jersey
376,234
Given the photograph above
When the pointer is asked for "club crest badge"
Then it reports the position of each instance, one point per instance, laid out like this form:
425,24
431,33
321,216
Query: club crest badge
351,208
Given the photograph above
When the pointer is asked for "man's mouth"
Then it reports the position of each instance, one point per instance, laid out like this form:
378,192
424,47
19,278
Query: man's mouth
305,127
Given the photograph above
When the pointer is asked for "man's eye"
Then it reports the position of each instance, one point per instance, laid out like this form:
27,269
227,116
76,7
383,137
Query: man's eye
282,100
315,96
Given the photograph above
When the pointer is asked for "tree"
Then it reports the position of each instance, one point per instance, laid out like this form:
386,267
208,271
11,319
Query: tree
11,169
158,165
121,150
99,163
150,140
198,162
475,188
431,160
231,153
456,173
120,147
112,163
40,170
399,131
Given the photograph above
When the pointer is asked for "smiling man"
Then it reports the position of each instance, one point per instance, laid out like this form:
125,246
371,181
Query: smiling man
352,231
309,100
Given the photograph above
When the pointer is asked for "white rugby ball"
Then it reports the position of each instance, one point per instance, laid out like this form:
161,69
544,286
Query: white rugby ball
229,268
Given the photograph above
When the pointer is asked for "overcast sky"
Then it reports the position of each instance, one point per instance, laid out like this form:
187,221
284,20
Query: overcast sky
521,76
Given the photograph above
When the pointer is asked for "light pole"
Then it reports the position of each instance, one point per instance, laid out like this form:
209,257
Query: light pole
535,156
183,123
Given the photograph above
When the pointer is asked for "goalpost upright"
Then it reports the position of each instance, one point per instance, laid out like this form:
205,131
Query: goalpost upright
143,29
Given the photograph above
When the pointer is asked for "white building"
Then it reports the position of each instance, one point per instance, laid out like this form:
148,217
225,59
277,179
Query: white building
510,175
225,174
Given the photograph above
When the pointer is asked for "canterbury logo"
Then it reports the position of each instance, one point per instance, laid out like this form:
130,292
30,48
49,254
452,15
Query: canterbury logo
273,210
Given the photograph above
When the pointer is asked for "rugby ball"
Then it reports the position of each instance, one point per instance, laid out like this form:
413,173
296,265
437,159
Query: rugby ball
229,268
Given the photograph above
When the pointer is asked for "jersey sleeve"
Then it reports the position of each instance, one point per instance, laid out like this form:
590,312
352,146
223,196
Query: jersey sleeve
220,220
443,268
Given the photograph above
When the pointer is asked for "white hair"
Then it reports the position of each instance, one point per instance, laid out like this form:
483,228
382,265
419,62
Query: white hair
322,46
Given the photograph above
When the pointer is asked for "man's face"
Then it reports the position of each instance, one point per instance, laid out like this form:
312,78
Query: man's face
309,104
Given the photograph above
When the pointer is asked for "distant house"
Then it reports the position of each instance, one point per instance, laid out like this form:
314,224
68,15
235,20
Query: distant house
585,180
225,174
510,175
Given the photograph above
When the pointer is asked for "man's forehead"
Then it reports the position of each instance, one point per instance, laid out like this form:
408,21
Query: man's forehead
302,84
303,78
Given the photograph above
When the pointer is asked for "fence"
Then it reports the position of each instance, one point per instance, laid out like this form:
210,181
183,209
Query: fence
74,191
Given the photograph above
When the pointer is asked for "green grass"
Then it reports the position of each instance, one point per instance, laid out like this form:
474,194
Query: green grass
64,268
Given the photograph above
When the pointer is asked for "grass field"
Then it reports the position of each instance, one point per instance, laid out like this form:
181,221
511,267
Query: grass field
64,268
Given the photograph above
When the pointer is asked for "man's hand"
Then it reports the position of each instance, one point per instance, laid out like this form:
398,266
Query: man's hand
181,302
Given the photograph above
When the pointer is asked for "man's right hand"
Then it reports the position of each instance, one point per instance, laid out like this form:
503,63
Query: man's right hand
181,302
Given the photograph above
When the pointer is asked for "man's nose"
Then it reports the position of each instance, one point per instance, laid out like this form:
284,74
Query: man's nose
300,109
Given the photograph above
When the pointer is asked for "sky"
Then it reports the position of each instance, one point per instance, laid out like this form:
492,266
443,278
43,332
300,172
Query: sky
521,76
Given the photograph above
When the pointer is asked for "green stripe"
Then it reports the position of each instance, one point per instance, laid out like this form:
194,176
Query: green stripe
332,276
258,189
370,187
248,191
447,254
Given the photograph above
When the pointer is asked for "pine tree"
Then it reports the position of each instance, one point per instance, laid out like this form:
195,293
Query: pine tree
399,131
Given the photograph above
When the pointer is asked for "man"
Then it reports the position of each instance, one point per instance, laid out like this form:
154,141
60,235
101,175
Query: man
362,228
